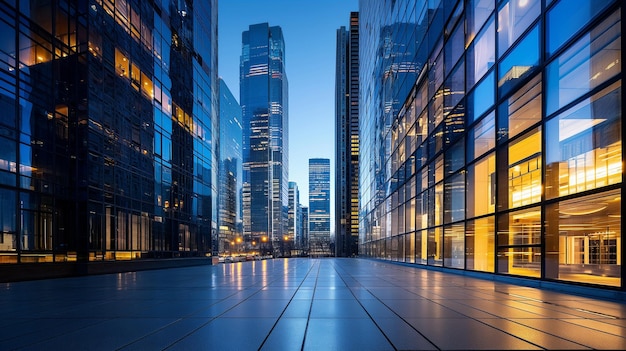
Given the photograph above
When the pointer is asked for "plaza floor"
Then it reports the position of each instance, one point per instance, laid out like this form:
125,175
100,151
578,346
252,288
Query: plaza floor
301,304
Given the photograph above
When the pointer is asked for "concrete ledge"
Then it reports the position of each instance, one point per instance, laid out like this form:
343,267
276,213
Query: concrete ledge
33,271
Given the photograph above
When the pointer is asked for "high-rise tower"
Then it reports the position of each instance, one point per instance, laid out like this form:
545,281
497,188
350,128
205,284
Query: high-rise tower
347,139
230,173
108,134
319,207
263,98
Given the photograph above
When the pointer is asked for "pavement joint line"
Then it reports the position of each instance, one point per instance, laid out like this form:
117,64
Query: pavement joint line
287,306
308,318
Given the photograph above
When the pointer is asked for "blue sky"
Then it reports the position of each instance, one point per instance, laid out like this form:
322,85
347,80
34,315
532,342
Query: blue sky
310,29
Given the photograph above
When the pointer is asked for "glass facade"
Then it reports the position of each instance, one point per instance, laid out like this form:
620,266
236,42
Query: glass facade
107,142
347,140
264,98
491,136
230,172
319,207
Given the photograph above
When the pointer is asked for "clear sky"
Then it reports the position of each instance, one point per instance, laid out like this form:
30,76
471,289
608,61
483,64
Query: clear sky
309,29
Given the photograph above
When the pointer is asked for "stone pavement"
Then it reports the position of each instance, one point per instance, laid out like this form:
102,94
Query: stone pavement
301,304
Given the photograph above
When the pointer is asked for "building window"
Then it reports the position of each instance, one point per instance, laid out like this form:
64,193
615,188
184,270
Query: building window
584,145
519,239
513,19
583,239
591,61
524,172
480,240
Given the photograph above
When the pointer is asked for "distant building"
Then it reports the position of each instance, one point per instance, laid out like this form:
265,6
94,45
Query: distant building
491,137
347,140
304,239
230,173
319,207
294,216
264,98
108,135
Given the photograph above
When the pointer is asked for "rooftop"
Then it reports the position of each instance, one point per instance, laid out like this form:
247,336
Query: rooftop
302,304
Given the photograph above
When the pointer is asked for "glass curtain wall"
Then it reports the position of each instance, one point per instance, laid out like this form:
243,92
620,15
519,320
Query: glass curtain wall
499,147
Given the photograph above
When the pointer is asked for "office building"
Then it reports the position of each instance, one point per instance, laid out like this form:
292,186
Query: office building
303,241
263,98
230,172
107,136
319,207
347,140
491,137
294,226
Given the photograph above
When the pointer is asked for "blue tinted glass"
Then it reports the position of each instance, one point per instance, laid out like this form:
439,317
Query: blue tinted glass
567,17
482,97
520,62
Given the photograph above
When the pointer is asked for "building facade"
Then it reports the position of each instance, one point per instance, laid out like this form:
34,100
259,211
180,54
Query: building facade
491,137
319,207
347,140
108,130
230,172
303,242
263,98
294,231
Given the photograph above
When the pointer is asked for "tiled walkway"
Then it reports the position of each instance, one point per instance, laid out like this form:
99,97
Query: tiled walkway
300,304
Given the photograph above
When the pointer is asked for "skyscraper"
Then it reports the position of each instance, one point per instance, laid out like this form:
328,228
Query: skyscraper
263,98
491,137
230,173
304,239
347,140
319,207
107,142
295,217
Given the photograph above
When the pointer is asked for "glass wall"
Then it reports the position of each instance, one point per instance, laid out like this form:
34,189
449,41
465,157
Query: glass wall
514,160
106,143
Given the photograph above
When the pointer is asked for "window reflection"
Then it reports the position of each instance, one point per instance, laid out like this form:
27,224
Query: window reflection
584,145
525,170
480,239
482,137
519,63
513,19
583,239
481,187
481,56
454,246
521,111
588,63
567,17
519,237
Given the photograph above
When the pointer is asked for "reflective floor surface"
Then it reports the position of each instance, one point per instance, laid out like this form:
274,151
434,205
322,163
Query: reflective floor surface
301,304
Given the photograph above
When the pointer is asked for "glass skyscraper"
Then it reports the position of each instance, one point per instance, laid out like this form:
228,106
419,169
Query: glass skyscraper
263,98
319,207
294,231
108,143
230,172
491,137
347,139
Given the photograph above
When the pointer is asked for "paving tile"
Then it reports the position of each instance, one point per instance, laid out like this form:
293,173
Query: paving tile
402,335
534,336
297,309
288,334
337,309
168,335
366,336
467,334
584,336
108,335
227,334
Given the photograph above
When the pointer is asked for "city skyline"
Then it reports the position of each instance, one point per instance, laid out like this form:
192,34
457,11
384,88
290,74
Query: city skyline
310,64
